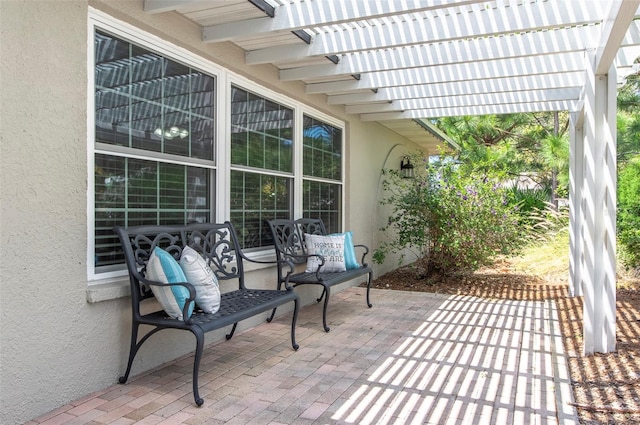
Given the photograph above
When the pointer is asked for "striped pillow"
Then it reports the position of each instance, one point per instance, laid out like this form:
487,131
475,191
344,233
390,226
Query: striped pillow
162,267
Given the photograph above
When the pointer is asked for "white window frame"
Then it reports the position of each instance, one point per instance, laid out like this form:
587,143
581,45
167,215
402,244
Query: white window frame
98,20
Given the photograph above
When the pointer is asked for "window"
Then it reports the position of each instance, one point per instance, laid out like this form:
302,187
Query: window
154,142
157,147
262,165
322,169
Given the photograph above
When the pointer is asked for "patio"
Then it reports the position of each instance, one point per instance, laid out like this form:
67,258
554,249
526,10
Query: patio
412,358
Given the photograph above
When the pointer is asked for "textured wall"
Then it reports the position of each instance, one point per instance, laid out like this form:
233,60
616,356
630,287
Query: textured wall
45,330
54,346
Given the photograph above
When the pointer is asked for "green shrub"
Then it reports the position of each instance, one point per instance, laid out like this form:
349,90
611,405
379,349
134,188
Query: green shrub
628,214
528,200
538,218
451,221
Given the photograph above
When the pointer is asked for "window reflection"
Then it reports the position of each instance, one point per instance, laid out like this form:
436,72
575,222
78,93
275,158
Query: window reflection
146,101
149,103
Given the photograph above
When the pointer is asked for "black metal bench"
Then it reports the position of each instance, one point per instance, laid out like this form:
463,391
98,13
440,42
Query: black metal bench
291,249
217,243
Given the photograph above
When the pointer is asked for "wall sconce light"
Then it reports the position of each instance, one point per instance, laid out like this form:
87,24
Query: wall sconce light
406,168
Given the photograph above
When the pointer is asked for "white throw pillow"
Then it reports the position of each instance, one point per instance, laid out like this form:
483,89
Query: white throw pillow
330,247
200,275
163,268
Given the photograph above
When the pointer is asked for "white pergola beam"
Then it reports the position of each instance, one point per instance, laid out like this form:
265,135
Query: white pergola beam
464,88
529,96
614,29
632,37
477,50
339,86
626,56
548,64
471,110
362,97
494,22
293,17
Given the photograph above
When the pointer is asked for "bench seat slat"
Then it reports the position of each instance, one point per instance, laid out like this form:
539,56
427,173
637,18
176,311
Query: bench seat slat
234,307
331,278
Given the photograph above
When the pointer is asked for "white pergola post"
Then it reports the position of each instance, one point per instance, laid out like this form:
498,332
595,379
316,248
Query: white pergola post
576,179
598,212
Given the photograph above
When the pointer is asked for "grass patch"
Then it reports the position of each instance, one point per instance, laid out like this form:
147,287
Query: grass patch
548,259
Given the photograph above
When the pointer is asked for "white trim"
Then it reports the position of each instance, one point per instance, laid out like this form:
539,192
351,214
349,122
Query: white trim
98,20
298,158
222,196
91,107
155,156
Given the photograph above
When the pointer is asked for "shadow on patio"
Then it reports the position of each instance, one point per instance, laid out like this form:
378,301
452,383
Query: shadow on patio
413,358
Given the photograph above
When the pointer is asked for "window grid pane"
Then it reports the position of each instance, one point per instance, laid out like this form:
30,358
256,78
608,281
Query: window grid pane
256,198
133,192
323,200
261,132
148,102
322,149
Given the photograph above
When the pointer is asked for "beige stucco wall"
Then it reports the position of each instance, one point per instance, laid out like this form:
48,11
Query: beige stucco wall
54,345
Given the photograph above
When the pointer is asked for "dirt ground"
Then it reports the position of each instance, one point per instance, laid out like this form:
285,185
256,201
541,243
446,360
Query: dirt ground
606,386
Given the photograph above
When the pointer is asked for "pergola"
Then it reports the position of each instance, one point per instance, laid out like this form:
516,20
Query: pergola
402,62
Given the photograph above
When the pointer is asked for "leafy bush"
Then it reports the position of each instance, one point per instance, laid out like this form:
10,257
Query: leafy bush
628,215
451,221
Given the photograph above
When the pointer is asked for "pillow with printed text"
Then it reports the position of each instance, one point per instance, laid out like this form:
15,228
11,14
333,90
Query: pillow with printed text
330,247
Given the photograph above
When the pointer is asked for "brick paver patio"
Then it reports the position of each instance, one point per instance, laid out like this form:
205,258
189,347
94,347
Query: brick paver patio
414,358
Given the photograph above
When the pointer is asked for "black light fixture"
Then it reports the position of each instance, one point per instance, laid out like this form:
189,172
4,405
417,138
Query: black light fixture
406,168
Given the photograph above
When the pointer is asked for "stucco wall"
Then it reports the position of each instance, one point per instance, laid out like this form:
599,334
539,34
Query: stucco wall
55,346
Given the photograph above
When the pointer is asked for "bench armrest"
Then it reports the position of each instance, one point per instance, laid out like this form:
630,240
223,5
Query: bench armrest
366,251
280,263
292,268
188,302
304,257
318,277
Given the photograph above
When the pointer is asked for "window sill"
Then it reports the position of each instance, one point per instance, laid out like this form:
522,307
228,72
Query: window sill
108,289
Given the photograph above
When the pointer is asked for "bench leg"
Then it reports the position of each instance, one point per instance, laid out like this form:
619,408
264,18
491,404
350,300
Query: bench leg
199,334
325,294
273,313
368,290
293,324
134,347
233,330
